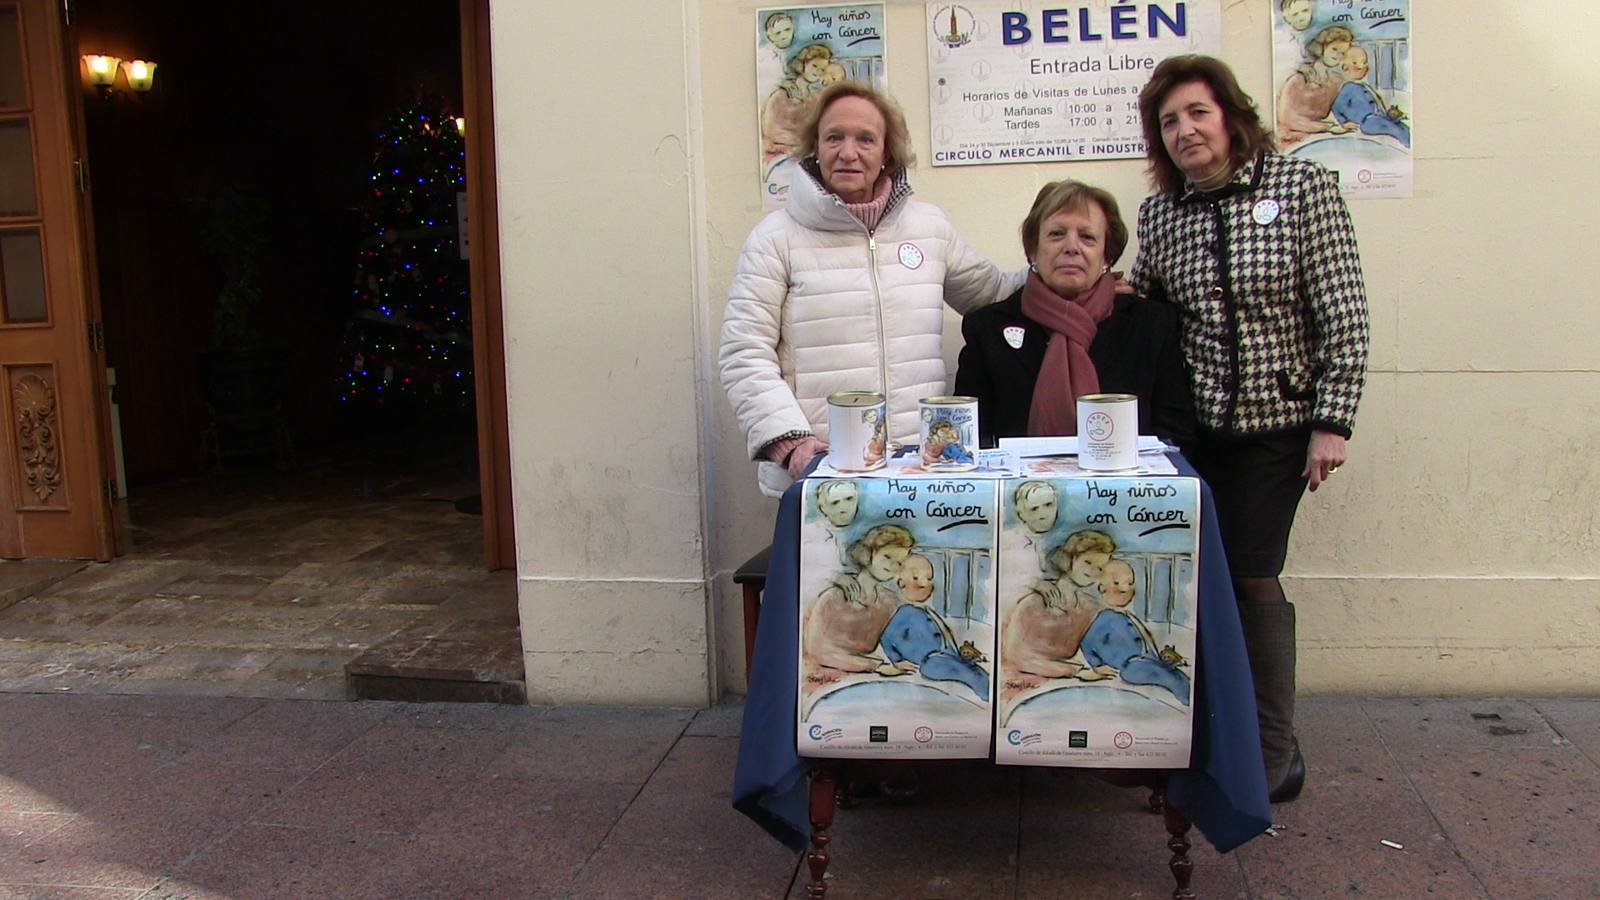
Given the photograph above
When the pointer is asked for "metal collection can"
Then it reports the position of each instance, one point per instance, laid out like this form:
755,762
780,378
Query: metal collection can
949,429
1108,432
858,431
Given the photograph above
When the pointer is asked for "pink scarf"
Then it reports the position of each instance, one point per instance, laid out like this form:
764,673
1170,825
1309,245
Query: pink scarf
871,212
1067,372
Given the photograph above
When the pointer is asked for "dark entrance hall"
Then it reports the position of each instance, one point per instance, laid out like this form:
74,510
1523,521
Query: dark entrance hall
282,267
356,577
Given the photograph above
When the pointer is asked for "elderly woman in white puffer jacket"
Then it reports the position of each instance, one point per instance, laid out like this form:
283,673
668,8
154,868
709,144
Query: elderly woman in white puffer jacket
844,288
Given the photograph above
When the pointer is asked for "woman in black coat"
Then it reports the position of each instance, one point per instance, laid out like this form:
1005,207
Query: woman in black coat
1067,332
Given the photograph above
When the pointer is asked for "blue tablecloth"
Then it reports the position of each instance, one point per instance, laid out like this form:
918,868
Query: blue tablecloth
1224,792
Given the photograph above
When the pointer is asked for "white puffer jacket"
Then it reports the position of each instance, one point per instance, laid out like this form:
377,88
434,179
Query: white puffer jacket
820,305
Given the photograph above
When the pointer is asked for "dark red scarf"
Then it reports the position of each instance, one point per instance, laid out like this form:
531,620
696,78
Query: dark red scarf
1067,372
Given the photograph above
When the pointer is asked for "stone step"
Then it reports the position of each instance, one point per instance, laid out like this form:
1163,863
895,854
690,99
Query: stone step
454,655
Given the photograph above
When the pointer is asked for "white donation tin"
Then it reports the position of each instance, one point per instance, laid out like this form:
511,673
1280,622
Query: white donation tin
949,427
858,430
1108,432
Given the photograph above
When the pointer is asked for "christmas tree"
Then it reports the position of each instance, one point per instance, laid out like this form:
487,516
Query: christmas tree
409,343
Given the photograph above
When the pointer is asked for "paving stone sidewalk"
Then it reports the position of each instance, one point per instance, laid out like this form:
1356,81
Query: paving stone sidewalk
116,796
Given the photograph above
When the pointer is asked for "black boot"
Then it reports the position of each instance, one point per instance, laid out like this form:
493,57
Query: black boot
1289,788
1269,635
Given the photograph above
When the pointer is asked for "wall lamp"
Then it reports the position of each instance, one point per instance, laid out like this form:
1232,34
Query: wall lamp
139,74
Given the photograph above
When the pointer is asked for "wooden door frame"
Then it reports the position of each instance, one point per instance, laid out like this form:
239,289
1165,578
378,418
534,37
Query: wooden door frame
110,537
488,320
488,331
56,97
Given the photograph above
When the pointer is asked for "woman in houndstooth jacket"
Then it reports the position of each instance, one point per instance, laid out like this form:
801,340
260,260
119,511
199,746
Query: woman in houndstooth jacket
1258,253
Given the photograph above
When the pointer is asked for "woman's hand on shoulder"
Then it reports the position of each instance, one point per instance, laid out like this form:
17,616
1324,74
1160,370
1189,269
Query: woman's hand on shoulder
1120,283
1325,453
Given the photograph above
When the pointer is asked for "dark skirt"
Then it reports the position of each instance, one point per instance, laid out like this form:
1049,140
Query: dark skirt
1257,483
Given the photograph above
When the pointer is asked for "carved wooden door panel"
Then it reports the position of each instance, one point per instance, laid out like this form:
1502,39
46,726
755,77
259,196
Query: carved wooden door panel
53,498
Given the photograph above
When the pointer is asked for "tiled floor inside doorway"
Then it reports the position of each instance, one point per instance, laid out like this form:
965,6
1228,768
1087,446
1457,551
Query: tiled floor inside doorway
266,584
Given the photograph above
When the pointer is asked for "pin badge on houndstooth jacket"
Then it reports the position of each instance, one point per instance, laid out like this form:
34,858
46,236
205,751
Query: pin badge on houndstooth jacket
1275,311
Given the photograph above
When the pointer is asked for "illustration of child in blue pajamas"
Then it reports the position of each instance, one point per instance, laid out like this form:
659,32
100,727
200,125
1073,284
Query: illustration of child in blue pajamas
917,638
1358,103
1117,643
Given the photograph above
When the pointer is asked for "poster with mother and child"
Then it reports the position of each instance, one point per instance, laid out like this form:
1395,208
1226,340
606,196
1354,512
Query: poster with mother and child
1095,660
897,617
1342,90
1052,619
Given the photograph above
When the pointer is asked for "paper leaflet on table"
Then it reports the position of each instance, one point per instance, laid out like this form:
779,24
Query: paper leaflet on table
1006,462
906,463
1067,467
1057,457
1067,446
896,617
1097,621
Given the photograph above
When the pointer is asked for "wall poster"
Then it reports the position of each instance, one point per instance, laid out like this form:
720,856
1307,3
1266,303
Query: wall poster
799,51
897,617
1028,81
1342,82
1098,606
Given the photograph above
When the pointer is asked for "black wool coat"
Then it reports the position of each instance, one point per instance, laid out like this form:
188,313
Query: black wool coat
1135,351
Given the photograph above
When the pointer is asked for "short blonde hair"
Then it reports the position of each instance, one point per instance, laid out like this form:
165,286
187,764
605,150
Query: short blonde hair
897,152
916,556
879,537
825,489
1333,34
797,62
1074,196
1027,489
1120,564
1080,542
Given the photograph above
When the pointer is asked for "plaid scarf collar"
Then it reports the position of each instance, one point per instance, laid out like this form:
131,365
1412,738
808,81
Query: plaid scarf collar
899,190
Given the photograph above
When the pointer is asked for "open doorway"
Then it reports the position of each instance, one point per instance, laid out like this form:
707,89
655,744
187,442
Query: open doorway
304,402
283,287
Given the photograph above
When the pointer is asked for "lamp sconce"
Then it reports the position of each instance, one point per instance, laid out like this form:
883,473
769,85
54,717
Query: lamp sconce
102,71
138,74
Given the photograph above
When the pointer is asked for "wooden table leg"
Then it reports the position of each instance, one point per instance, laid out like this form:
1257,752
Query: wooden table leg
752,618
1178,842
822,802
1158,797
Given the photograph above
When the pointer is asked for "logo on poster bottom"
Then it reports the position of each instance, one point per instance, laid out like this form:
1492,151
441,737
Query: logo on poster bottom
816,733
923,734
1017,739
1077,739
1123,740
878,734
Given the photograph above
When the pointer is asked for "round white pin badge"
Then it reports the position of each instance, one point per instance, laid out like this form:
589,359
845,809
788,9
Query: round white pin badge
1265,212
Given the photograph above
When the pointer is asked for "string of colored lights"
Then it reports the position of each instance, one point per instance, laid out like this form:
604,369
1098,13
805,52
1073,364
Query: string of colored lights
409,342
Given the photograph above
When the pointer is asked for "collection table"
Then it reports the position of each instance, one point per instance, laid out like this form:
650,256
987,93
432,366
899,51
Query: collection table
1223,792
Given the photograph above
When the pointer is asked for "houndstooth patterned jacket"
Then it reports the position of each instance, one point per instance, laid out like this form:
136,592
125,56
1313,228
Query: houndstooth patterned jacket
1267,277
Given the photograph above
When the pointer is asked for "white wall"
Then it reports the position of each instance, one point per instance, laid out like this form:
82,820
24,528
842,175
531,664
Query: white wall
601,284
1454,554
